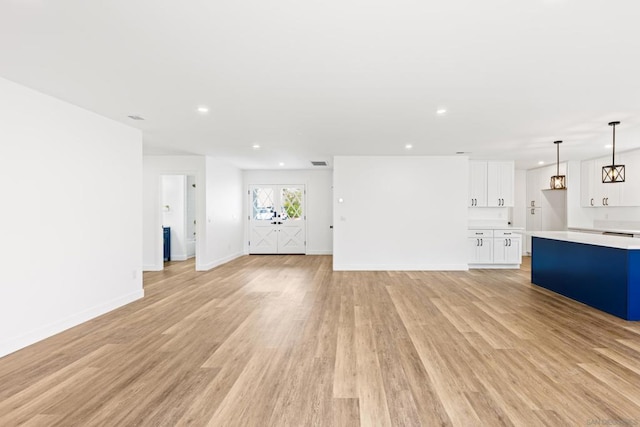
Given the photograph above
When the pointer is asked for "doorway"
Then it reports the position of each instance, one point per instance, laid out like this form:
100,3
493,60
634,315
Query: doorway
277,219
178,217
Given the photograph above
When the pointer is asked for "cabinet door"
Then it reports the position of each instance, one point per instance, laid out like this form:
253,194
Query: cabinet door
480,250
534,192
534,223
500,177
630,190
605,194
477,184
587,194
514,251
500,251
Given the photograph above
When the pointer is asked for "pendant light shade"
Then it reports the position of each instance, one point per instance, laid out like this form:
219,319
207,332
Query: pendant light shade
613,173
558,182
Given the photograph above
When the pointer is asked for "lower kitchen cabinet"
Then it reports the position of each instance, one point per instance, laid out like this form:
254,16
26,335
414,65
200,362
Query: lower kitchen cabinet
507,247
494,249
480,246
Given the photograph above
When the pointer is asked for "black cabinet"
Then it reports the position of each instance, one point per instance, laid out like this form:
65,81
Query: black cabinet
166,242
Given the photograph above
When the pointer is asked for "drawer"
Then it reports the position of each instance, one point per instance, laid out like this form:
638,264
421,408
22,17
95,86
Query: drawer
480,233
506,233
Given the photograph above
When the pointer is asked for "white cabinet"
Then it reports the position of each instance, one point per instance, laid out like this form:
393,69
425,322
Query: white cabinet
480,249
630,190
477,183
507,247
491,183
500,177
594,193
534,223
494,248
587,184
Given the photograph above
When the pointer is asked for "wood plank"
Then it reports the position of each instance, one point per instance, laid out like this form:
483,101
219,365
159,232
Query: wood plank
284,340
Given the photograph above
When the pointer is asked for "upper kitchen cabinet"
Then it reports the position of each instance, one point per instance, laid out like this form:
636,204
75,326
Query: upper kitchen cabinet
500,177
477,183
630,189
594,193
491,183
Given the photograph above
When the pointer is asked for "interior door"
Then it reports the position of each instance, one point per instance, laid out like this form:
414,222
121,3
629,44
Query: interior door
277,224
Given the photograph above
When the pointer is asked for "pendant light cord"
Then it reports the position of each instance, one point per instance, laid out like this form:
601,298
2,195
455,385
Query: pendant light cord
614,145
557,159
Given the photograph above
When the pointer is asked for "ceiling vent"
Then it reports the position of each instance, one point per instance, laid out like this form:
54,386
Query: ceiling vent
318,163
134,117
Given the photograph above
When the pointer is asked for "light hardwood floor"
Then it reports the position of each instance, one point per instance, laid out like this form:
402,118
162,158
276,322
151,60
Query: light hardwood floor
285,341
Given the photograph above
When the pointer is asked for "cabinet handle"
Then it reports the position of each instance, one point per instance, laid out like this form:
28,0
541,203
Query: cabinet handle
509,242
591,201
533,203
607,201
480,242
533,211
506,242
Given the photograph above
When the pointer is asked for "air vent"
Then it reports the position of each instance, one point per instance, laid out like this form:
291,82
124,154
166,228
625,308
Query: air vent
136,117
318,163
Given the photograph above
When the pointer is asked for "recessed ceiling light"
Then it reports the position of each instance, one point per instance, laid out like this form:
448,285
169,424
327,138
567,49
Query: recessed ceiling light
203,109
281,164
541,162
441,111
256,146
408,146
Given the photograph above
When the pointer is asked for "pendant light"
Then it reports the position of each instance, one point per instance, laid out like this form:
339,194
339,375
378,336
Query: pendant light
558,182
613,173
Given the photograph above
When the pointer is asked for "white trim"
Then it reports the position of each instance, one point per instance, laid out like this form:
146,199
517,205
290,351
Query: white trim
218,262
400,267
152,267
17,343
320,252
495,266
181,257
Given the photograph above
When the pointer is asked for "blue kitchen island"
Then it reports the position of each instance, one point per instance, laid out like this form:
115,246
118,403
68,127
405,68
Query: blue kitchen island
598,270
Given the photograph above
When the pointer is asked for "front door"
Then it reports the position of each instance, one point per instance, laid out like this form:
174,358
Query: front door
277,220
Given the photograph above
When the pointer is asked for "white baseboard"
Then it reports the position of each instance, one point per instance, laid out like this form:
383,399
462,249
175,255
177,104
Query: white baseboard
320,252
218,262
56,327
179,257
495,266
152,267
400,267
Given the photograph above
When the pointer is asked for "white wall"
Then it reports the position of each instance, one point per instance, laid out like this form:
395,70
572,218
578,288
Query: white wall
318,184
224,226
174,213
219,227
154,167
400,213
70,182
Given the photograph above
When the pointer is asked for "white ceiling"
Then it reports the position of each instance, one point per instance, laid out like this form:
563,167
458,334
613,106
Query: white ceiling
310,79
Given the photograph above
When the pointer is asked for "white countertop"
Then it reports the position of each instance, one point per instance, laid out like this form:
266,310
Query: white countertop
629,243
605,230
495,227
